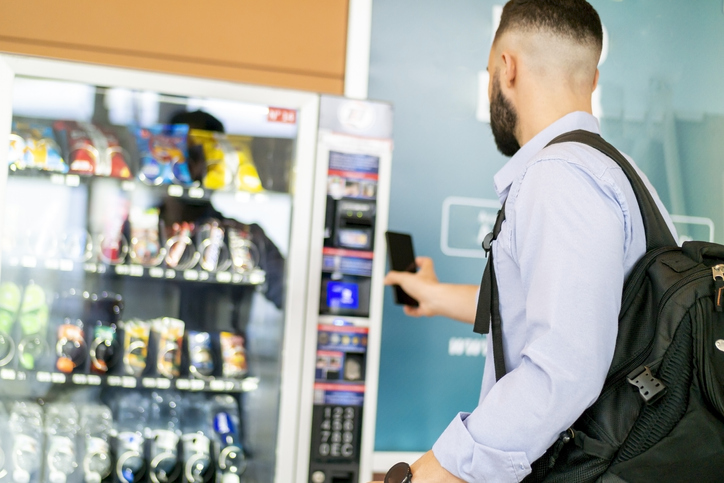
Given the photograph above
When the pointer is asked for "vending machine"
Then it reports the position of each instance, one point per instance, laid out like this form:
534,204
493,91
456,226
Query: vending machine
190,278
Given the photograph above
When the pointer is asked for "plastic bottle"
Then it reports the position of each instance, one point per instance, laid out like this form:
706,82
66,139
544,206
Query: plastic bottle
26,426
131,417
231,462
97,427
61,427
196,445
164,432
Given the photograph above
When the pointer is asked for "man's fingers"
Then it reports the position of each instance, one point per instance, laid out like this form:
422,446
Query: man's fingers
424,263
396,278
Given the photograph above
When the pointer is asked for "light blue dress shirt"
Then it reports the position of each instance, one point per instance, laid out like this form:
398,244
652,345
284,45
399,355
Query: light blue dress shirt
572,233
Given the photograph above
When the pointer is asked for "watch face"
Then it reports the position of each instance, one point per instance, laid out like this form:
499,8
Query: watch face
400,473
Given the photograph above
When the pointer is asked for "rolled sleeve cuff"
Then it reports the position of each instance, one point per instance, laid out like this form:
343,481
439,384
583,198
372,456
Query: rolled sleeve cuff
461,455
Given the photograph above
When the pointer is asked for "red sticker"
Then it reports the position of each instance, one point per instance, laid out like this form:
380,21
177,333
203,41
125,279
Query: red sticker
277,114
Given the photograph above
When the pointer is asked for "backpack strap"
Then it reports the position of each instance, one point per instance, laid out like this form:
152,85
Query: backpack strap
487,316
658,234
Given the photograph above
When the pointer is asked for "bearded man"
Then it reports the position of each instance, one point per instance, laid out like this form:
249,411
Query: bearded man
572,233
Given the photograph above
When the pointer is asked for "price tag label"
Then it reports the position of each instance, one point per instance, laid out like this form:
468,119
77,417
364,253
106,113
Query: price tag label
66,265
52,264
94,380
191,275
80,379
114,381
175,191
102,269
136,271
237,278
57,179
8,375
163,383
128,186
204,275
217,386
128,382
183,384
170,273
123,269
58,378
29,262
257,277
72,180
155,272
196,193
90,267
148,382
197,385
223,277
42,376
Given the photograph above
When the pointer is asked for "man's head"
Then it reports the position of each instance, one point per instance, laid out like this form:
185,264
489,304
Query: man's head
543,65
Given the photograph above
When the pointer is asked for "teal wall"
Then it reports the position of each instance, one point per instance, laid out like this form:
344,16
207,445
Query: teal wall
662,97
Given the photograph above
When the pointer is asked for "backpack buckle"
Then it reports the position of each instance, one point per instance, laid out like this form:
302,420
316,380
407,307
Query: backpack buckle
650,388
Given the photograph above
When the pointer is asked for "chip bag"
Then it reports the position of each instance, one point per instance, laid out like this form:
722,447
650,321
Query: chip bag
94,150
163,150
32,145
247,176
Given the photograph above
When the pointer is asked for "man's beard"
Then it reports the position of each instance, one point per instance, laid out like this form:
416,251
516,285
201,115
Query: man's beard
503,121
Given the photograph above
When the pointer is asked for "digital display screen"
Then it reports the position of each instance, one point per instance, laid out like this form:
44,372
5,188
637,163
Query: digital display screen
354,238
342,296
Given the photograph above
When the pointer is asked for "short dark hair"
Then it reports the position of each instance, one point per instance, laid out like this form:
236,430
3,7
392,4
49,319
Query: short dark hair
575,19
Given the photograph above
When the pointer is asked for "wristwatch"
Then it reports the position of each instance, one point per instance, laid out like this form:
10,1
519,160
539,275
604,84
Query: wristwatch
400,473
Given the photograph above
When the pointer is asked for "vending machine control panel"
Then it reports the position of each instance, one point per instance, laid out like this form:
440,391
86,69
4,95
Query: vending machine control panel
355,146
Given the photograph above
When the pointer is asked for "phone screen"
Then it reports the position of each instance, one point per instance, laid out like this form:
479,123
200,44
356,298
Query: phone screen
402,259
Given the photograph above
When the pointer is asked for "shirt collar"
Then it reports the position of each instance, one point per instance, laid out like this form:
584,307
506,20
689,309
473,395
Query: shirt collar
570,122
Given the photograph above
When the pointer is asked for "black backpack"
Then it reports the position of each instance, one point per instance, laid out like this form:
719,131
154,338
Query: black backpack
660,415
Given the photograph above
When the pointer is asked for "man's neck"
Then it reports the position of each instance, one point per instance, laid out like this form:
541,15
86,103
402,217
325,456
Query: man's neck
543,112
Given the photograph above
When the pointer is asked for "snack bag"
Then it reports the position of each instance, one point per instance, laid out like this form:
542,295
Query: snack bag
247,176
103,349
32,145
219,174
93,150
135,346
170,339
71,348
201,358
163,150
233,354
146,248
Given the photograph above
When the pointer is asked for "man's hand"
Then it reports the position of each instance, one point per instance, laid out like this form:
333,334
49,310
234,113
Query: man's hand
450,300
420,286
428,470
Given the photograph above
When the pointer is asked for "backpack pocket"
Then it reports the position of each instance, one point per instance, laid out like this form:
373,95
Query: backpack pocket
708,333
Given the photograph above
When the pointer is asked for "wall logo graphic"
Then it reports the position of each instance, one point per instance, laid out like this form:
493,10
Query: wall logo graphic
465,222
467,346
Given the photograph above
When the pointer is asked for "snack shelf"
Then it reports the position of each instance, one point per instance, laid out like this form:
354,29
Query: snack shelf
216,385
188,193
252,277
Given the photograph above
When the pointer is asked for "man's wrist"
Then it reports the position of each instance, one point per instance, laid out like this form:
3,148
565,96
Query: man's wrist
399,473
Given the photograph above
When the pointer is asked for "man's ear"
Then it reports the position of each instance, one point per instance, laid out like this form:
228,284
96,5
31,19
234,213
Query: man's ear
510,69
595,80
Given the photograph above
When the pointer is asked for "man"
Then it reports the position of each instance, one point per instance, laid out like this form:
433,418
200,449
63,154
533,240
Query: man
572,233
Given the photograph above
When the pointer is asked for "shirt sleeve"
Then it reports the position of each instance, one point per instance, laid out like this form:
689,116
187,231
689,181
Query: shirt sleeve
567,237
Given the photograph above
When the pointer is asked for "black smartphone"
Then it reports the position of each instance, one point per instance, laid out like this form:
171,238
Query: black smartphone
402,259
